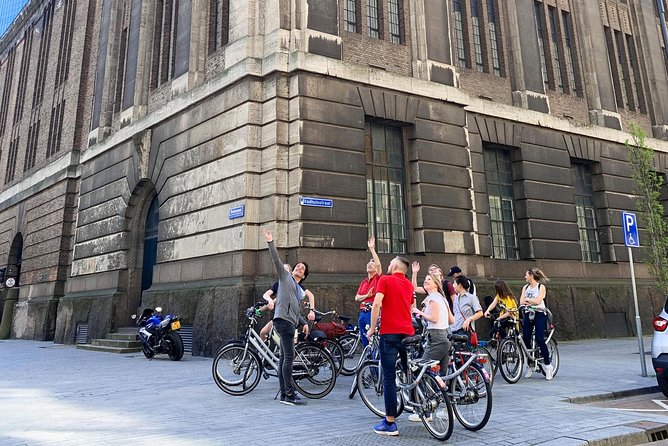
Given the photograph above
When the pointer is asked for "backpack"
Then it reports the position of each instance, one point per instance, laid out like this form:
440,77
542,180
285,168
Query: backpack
331,329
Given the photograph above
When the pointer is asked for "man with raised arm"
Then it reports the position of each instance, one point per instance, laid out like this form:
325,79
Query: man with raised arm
366,291
286,319
394,294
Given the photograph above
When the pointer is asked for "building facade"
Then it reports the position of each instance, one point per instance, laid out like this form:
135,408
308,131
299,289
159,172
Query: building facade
484,133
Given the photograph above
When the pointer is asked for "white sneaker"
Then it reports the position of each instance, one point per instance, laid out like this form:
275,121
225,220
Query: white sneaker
416,417
549,372
529,372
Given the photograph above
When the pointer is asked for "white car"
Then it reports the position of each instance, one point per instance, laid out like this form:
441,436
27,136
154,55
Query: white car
660,349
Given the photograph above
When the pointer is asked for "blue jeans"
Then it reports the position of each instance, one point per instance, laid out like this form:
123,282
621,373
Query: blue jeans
363,320
390,347
286,330
540,321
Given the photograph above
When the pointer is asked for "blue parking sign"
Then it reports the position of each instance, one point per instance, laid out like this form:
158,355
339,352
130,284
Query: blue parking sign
630,227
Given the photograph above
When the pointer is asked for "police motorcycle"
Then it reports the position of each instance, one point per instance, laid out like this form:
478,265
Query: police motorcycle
159,334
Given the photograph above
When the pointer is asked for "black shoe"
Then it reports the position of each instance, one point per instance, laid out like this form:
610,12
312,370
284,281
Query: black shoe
293,400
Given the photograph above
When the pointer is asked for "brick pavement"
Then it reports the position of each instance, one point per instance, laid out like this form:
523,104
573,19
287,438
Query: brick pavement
56,395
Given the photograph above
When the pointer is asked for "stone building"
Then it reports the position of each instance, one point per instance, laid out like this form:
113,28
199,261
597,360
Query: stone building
484,133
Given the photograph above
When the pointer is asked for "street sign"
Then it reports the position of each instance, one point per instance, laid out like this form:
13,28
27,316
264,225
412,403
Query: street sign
316,202
237,212
630,227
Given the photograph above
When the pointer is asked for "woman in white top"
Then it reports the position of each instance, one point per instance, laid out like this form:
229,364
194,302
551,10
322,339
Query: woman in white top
533,294
438,317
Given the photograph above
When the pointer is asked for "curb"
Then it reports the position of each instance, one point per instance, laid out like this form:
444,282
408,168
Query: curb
611,395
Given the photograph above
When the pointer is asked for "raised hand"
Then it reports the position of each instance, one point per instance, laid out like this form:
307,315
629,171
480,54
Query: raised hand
267,235
371,243
416,267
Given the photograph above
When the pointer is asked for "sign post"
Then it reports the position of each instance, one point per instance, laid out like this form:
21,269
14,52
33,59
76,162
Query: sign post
631,240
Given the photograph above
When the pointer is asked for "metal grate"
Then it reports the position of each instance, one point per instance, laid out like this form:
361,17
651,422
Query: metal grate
659,435
186,333
81,334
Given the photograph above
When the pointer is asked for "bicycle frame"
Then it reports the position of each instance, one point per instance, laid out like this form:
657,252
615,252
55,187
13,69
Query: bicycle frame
529,352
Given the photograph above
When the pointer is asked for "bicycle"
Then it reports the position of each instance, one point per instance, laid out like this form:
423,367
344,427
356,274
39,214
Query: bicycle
491,347
468,384
333,345
370,354
352,343
239,364
513,352
419,390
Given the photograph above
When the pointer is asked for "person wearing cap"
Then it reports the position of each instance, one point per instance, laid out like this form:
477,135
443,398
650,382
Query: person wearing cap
394,294
366,291
455,272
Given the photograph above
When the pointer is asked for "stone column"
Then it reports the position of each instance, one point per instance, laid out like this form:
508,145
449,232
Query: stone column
432,48
596,65
527,78
655,69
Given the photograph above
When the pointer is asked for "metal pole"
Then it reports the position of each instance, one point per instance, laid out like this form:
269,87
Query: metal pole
641,346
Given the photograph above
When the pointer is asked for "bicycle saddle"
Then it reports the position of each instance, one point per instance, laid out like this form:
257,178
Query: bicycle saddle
458,338
344,319
411,340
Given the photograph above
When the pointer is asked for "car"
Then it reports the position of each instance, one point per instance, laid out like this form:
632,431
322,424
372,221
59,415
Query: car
660,349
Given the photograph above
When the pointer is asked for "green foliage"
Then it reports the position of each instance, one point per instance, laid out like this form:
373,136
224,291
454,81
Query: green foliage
650,209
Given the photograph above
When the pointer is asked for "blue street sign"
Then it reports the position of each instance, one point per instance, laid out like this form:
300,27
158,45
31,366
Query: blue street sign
237,212
630,227
316,202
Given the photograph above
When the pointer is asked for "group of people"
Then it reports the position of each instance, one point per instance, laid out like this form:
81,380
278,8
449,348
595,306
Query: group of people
449,307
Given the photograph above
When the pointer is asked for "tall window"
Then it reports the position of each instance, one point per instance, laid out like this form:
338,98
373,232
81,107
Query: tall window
164,41
477,45
351,15
23,74
219,24
122,56
65,48
31,148
568,48
55,129
493,39
459,34
11,160
373,18
499,177
586,212
556,56
623,72
635,74
540,29
395,21
7,89
150,244
385,187
45,26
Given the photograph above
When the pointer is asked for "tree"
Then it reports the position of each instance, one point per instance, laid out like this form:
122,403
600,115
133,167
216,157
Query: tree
650,209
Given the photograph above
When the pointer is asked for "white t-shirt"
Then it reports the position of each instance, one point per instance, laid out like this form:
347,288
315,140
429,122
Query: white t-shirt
442,311
532,293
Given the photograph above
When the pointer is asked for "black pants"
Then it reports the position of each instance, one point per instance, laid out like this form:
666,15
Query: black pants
286,331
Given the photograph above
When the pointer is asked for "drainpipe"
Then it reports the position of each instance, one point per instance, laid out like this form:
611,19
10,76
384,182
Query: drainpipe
664,30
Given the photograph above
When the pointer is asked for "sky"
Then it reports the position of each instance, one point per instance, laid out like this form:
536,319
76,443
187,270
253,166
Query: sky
9,9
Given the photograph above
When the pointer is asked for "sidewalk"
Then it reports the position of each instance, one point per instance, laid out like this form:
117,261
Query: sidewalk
56,395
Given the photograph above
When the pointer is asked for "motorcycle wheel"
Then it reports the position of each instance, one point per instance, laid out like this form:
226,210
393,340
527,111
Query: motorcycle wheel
175,342
147,351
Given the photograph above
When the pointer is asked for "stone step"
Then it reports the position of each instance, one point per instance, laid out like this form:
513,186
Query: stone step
123,336
120,343
126,330
100,348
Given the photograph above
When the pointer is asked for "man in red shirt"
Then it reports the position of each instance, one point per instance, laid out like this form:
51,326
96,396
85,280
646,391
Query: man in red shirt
367,289
394,293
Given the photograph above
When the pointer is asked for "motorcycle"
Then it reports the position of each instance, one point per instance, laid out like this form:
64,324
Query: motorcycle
159,334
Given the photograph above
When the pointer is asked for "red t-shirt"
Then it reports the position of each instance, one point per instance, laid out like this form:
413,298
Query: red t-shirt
365,286
395,317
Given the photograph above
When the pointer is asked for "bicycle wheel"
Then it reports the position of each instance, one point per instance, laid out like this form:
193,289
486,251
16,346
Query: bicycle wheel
236,371
313,371
352,349
370,388
335,349
437,409
472,398
510,360
486,361
554,356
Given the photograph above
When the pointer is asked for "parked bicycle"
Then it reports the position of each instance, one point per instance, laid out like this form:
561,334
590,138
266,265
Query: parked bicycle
370,355
469,387
239,364
513,353
352,343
